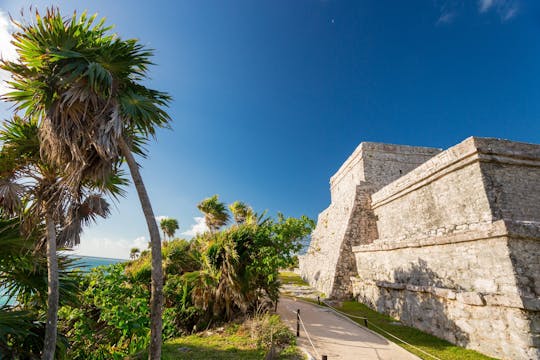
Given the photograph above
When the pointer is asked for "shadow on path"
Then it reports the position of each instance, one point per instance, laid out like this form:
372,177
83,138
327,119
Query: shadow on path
335,336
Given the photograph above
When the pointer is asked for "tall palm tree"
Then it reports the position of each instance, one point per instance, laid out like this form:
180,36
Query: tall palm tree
84,84
60,210
215,212
169,227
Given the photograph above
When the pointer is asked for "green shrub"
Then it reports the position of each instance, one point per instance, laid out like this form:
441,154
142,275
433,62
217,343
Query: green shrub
269,332
214,278
112,320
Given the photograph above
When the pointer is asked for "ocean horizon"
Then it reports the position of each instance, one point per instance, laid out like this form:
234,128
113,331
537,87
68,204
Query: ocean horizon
95,261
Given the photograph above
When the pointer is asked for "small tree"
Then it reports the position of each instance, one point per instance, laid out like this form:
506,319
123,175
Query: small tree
241,211
215,213
134,253
169,227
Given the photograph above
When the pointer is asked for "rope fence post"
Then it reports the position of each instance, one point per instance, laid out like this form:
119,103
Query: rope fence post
324,357
297,322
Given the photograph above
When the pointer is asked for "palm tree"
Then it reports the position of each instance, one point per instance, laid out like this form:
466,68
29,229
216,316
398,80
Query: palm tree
134,253
85,87
64,211
169,227
20,142
23,275
215,212
241,211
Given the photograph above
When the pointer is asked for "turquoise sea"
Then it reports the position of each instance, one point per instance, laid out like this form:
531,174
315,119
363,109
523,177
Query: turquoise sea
85,263
91,262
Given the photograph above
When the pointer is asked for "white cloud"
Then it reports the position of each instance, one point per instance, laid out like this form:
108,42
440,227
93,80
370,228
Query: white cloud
446,18
7,50
449,10
509,12
198,228
485,5
116,249
506,9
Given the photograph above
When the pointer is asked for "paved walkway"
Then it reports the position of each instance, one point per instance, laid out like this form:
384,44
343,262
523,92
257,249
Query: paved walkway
337,337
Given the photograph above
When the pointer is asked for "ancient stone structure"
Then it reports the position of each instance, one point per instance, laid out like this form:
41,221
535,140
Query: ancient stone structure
448,242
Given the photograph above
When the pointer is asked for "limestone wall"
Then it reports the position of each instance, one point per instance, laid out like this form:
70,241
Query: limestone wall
458,248
348,221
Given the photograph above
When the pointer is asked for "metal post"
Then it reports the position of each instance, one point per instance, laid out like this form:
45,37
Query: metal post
365,322
297,322
319,300
324,357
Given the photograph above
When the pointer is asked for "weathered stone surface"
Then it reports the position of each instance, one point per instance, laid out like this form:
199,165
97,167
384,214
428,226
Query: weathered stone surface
471,298
450,246
349,220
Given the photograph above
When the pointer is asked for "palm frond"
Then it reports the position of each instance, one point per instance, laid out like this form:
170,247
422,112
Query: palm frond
215,212
83,84
80,215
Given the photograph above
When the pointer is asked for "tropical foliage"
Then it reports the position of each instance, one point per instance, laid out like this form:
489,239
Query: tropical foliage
84,87
215,277
241,211
85,111
169,227
23,275
215,212
47,210
112,317
134,253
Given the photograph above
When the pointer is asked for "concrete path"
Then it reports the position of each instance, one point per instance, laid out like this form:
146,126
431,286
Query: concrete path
337,337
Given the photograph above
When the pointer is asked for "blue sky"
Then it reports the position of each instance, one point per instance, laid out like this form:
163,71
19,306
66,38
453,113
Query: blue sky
270,97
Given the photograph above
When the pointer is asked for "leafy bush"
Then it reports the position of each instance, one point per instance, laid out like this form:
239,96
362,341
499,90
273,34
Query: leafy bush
268,331
112,320
23,275
214,278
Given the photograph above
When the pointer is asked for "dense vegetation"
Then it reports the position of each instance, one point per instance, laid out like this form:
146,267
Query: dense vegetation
83,90
217,277
82,112
214,278
23,275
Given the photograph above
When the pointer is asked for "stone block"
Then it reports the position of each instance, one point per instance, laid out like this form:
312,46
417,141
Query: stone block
485,285
471,298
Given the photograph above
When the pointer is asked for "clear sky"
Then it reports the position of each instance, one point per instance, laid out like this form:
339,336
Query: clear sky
270,97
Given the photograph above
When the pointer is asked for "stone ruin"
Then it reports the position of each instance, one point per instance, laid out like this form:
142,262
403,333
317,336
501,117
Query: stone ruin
445,241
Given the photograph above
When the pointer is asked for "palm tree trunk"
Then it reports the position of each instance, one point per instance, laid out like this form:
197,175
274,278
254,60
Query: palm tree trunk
53,295
156,299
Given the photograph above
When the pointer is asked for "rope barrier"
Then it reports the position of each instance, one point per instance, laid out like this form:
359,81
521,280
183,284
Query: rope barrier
309,338
305,330
366,321
384,331
403,341
343,313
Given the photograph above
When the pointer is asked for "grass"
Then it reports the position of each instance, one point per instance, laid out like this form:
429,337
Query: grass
428,343
290,278
433,345
216,346
231,342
